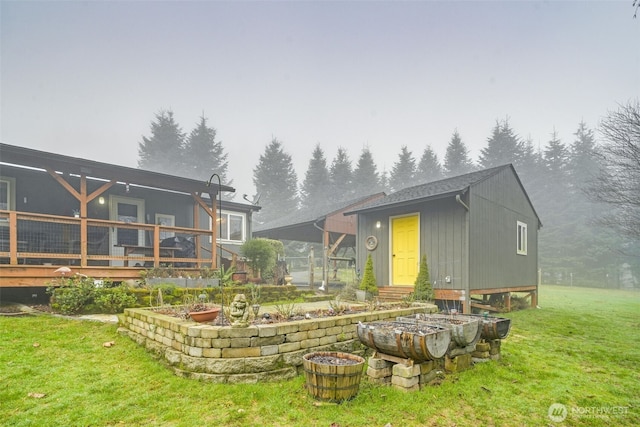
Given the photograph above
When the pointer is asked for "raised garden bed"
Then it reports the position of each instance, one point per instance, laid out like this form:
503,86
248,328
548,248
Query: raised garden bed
259,352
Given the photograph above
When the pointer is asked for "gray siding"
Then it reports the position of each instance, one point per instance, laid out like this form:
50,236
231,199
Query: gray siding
478,254
496,206
443,239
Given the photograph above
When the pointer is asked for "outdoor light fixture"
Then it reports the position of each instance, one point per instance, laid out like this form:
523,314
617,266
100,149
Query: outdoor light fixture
101,200
208,184
378,225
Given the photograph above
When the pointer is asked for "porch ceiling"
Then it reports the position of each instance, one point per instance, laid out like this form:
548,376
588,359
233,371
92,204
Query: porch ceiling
73,165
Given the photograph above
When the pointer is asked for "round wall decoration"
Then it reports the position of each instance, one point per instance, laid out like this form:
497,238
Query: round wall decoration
371,242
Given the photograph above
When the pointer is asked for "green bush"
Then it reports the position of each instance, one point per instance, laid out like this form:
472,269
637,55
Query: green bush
423,290
113,300
368,283
79,294
72,294
260,254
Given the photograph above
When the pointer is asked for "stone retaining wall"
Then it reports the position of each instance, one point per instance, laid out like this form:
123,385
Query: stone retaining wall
224,354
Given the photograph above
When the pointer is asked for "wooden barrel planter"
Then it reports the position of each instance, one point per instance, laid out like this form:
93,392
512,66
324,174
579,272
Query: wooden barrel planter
417,341
332,376
465,330
495,328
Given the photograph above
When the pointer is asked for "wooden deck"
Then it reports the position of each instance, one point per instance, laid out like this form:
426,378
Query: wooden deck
34,246
481,297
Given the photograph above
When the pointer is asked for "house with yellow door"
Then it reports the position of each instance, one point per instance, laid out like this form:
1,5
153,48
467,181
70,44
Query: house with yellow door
479,232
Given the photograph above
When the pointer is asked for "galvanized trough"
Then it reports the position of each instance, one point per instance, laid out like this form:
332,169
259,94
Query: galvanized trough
494,328
465,330
419,342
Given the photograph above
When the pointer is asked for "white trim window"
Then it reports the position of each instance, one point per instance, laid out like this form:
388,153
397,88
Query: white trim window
6,194
521,243
233,227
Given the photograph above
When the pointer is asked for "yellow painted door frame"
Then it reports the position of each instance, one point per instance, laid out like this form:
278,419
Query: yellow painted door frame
405,249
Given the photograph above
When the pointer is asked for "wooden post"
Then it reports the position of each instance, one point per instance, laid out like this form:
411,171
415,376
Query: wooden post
534,298
312,265
325,262
13,238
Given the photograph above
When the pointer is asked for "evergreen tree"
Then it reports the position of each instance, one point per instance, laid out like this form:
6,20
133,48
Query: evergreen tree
502,147
456,159
385,181
429,168
556,158
365,175
403,170
583,162
530,164
557,252
315,188
369,283
276,180
341,176
423,290
203,155
163,151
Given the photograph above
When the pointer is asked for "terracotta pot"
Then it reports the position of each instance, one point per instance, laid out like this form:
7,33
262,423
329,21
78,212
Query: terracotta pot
205,316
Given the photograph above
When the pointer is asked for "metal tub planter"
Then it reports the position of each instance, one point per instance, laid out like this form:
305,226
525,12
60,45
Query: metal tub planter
494,328
465,330
419,342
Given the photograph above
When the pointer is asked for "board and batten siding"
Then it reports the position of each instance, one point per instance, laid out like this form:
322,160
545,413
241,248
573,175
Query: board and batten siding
380,255
443,239
497,204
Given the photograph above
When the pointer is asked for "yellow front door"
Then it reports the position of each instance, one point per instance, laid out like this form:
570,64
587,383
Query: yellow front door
405,249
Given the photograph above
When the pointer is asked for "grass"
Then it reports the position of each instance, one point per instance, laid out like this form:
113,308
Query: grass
579,349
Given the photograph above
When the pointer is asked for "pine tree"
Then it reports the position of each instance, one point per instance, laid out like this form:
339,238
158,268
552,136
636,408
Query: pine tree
204,155
429,168
423,291
341,176
369,283
276,180
456,159
403,170
315,188
365,176
583,162
163,151
556,158
384,181
502,147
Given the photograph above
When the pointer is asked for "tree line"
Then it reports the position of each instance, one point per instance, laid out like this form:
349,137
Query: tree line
586,192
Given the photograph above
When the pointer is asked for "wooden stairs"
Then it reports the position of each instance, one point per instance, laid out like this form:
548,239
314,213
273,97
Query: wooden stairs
393,293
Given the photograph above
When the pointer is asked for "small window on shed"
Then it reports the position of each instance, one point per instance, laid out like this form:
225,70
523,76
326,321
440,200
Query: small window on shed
521,247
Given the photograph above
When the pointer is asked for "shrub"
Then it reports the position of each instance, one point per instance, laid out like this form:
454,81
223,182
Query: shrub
72,295
113,300
423,290
260,254
368,283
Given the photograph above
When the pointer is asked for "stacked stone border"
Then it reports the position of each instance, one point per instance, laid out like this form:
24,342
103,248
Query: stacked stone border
410,376
267,352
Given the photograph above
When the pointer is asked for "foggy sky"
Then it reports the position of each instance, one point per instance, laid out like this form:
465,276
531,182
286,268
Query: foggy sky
86,78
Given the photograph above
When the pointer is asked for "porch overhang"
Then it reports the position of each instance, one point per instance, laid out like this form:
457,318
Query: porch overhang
21,156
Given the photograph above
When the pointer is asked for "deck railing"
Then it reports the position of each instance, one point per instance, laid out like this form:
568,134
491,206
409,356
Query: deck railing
39,239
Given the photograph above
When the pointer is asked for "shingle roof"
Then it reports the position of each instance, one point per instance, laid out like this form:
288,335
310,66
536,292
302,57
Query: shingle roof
307,215
431,190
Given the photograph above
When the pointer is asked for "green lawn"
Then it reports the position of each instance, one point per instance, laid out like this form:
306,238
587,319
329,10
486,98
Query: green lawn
581,349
